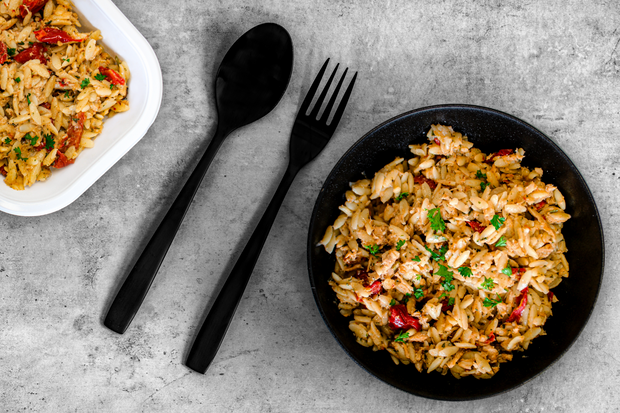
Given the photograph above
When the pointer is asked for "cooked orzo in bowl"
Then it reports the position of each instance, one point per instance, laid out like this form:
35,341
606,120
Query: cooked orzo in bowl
447,259
492,273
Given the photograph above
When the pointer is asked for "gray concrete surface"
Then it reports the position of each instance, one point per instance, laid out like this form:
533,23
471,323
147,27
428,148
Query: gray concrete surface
555,64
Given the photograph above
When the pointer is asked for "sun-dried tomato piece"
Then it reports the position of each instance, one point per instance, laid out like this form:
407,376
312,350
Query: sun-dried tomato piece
501,152
53,35
74,132
375,287
62,161
113,77
3,53
400,318
34,52
516,313
3,171
476,226
32,5
420,179
518,271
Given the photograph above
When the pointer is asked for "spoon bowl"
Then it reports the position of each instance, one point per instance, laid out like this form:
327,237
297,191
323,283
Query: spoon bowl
250,82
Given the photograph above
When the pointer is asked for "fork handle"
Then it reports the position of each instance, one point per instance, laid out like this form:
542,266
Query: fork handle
220,315
137,284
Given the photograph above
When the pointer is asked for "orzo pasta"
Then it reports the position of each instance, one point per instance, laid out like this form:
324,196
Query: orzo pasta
57,85
446,260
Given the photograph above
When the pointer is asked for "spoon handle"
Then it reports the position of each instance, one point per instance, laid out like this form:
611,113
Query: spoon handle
136,285
220,315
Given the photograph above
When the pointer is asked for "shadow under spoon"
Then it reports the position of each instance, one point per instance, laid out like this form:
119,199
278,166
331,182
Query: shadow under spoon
249,83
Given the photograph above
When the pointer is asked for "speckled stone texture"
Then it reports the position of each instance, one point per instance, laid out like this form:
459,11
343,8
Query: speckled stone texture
555,64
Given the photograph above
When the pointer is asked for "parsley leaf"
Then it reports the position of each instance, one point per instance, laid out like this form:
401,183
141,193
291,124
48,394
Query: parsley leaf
488,283
418,293
8,141
400,244
17,79
465,271
480,175
416,258
11,52
18,151
451,301
437,223
67,94
85,83
28,98
393,302
33,139
501,242
373,249
497,221
440,255
489,302
49,142
402,337
447,276
99,77
483,185
507,270
406,299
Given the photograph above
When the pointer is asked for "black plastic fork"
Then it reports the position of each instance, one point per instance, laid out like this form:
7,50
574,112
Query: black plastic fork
308,138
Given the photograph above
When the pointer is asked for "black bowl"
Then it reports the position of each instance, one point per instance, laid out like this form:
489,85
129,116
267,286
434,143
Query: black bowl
490,131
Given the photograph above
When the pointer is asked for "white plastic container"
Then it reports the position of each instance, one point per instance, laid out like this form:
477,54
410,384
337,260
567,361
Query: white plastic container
119,134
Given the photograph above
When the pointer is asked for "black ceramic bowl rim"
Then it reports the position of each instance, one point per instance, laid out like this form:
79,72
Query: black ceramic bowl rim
583,234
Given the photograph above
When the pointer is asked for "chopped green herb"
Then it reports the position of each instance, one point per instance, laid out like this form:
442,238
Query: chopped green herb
483,185
33,139
406,299
18,151
489,302
67,94
48,22
447,276
465,271
373,249
488,283
440,256
17,79
497,221
49,142
112,86
501,242
28,98
416,258
393,302
11,52
418,293
85,83
8,141
400,244
480,175
101,77
402,337
437,223
20,43
507,270
451,301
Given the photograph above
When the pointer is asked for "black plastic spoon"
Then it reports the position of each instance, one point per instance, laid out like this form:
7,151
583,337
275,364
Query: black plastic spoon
249,83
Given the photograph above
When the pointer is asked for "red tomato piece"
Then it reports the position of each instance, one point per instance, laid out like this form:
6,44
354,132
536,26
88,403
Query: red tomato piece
516,313
3,53
501,152
400,318
375,287
420,179
476,226
34,52
518,271
74,132
445,305
32,5
62,161
53,35
113,77
437,141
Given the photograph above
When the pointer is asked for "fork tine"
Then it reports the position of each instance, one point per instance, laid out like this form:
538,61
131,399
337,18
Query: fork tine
321,98
315,85
330,105
343,104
